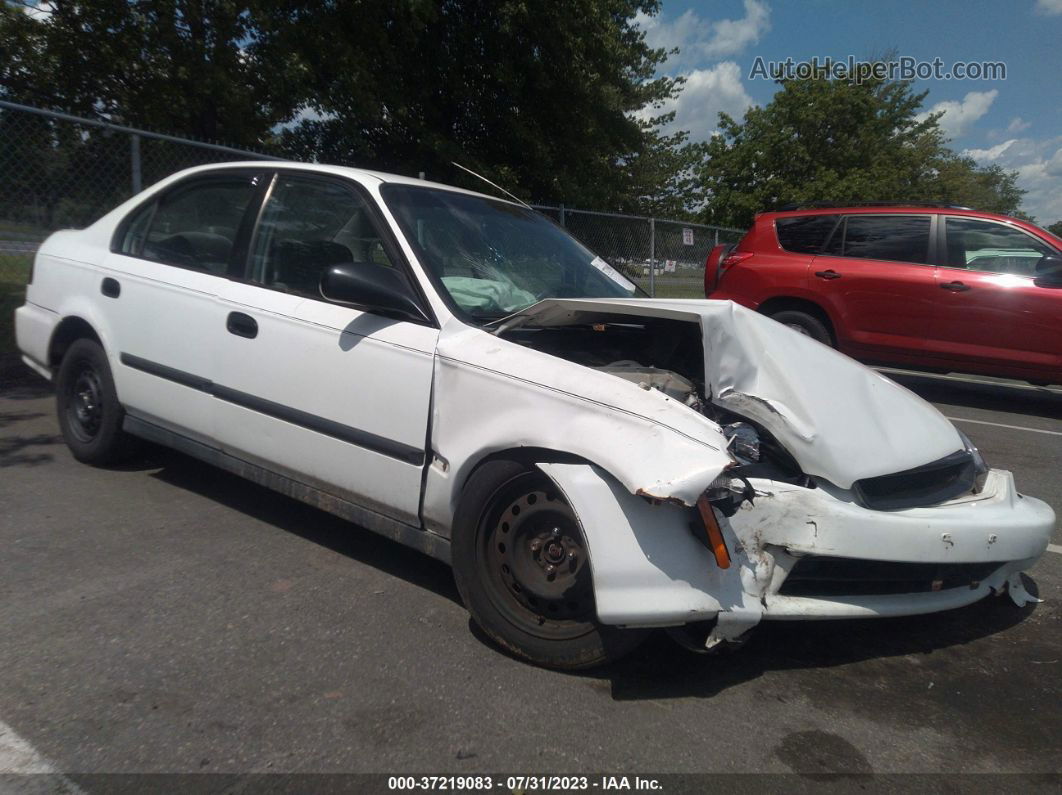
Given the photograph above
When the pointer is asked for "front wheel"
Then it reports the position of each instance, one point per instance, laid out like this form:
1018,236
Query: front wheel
90,416
521,565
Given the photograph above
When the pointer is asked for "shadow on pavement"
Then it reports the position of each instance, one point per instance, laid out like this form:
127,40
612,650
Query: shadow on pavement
302,520
786,646
1033,402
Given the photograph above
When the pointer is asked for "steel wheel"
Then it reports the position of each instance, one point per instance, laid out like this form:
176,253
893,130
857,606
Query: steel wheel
523,570
84,405
87,406
538,564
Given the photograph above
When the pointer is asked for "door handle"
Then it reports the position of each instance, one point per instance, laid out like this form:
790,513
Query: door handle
955,287
830,274
110,287
242,325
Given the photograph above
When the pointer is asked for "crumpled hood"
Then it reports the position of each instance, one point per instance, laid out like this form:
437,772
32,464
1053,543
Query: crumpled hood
840,420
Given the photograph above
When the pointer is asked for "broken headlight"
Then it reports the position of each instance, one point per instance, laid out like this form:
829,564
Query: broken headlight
979,461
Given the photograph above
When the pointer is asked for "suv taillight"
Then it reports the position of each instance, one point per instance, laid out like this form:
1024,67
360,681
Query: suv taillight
734,258
723,256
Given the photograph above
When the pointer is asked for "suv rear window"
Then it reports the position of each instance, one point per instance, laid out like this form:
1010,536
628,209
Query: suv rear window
804,234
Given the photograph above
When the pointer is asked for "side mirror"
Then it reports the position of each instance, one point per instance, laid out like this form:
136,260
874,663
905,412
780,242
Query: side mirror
374,288
1049,271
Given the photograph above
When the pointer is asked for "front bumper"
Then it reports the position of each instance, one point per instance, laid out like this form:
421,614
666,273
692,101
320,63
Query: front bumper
650,569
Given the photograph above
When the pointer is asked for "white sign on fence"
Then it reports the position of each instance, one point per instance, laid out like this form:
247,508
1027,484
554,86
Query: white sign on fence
687,236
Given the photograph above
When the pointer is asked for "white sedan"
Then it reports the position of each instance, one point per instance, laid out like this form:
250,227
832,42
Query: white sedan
456,372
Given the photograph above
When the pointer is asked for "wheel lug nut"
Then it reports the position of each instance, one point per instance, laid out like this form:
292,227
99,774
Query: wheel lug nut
550,569
556,532
572,555
536,545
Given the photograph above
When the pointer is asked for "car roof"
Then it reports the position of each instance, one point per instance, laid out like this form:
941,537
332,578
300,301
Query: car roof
361,174
890,209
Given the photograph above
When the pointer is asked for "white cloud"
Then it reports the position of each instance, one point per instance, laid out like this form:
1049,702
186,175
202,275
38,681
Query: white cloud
706,93
990,154
958,116
1039,167
1049,8
1018,124
700,39
1053,167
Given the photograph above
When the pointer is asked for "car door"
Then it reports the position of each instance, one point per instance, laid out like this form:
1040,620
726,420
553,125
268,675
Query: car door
875,280
330,395
168,261
988,308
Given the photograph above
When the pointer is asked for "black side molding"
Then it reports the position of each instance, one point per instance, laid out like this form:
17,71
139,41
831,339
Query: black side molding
322,425
425,541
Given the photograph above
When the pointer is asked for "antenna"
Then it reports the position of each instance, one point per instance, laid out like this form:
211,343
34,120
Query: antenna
498,187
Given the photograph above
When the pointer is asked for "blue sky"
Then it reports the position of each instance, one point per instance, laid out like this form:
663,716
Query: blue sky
1015,122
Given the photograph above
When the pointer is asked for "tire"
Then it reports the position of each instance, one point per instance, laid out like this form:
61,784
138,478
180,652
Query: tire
805,324
510,526
90,416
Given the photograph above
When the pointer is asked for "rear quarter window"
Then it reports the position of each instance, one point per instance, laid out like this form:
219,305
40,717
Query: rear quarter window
805,234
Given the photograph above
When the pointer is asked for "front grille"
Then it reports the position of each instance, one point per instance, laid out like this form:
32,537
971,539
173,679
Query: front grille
820,575
929,484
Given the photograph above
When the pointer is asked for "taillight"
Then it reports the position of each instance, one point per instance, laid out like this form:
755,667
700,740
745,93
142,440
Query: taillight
734,258
720,258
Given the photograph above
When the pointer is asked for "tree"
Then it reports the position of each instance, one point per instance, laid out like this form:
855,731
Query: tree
185,67
537,96
545,98
822,139
1055,229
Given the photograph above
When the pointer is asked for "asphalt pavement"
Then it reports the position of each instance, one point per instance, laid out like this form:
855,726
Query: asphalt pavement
166,617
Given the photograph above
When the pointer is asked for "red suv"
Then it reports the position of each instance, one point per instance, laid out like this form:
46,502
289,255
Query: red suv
935,287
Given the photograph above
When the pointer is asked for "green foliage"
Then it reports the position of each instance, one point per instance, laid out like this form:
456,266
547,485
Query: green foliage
186,67
535,95
820,139
1055,229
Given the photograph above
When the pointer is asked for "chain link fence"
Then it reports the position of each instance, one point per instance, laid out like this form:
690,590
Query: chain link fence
665,257
59,172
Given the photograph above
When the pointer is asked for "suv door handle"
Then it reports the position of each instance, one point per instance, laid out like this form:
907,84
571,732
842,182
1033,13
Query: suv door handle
955,287
830,274
110,287
242,325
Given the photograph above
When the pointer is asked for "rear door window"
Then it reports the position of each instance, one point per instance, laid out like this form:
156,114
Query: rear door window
805,234
902,238
195,226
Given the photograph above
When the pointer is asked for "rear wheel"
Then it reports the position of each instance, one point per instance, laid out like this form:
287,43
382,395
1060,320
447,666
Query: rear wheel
805,324
90,416
521,565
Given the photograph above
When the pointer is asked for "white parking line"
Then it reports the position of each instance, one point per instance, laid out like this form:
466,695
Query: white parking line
1050,390
18,757
1001,425
1054,548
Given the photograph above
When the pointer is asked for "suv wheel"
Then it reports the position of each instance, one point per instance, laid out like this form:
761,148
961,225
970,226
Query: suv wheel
90,416
805,324
521,566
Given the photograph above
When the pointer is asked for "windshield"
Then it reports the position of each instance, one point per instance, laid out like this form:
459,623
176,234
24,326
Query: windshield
494,258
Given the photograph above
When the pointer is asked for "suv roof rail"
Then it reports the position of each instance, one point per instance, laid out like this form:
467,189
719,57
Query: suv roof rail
831,205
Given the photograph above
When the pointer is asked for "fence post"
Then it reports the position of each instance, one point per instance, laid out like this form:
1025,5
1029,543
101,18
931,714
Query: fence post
716,243
134,158
562,215
652,257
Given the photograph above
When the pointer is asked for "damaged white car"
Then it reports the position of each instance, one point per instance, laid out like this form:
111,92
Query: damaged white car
458,373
